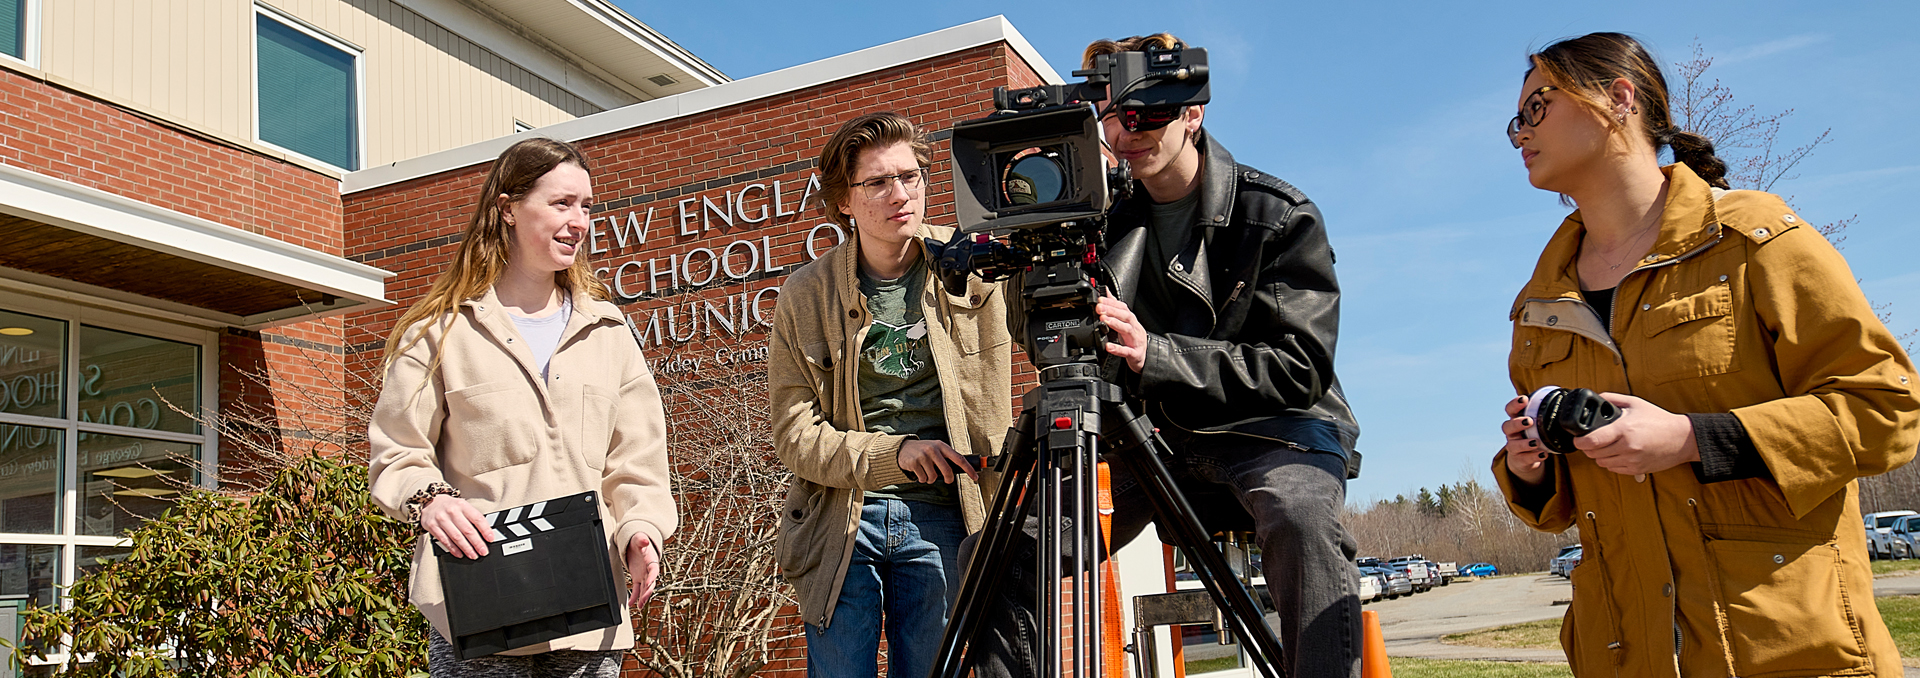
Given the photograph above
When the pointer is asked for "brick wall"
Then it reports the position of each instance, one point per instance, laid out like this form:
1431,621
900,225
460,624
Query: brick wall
63,134
729,159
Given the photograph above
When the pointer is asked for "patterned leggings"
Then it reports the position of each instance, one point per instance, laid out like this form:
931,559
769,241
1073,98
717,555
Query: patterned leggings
443,663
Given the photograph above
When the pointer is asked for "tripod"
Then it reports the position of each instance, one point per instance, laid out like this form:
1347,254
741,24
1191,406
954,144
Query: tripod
1053,451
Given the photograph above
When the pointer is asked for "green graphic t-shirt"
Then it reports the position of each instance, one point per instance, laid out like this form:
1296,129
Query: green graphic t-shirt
899,391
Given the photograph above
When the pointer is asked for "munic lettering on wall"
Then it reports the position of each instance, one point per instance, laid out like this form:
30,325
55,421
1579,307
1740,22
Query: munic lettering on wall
747,257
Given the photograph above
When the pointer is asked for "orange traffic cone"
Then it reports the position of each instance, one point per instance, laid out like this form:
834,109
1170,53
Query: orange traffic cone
1373,647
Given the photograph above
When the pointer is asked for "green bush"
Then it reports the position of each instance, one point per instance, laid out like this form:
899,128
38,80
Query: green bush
303,578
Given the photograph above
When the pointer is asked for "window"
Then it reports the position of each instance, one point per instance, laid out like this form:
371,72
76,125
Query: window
94,438
13,28
307,90
519,127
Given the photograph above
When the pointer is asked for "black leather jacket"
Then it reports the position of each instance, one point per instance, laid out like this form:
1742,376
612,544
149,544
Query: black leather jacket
1252,354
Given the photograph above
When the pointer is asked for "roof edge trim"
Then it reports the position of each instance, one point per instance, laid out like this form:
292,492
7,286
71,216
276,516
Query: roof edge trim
897,53
89,210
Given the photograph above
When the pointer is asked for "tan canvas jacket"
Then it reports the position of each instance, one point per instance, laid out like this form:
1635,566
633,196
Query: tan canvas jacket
1741,307
485,423
818,431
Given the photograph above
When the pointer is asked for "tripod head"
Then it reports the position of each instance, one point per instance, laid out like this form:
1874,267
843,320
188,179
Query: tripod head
1057,293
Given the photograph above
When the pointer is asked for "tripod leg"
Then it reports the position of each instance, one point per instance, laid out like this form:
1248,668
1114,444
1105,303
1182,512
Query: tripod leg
981,585
1173,514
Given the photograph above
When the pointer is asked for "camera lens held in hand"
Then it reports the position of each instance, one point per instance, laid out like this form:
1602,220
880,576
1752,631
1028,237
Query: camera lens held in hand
1559,415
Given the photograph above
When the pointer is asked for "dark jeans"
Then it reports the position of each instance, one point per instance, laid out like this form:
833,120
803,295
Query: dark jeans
1294,498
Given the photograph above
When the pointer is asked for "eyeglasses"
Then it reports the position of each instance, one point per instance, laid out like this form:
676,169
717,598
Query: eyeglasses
912,181
1532,112
1146,119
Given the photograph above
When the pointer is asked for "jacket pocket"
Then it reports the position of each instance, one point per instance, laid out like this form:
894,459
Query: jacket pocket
1590,632
1689,336
798,550
599,410
496,424
1534,349
1787,610
972,325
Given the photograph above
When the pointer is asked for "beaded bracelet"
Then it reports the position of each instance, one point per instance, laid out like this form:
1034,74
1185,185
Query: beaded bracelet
426,494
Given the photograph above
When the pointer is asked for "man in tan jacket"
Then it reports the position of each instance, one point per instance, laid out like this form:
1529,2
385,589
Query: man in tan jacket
882,386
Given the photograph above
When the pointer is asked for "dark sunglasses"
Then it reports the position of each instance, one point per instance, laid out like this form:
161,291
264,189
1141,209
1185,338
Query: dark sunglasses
1146,119
1532,112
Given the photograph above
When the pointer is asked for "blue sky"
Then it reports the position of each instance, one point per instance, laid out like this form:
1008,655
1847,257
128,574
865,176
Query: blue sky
1389,115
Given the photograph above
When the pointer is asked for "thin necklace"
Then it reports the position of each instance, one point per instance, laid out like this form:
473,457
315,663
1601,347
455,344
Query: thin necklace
1631,246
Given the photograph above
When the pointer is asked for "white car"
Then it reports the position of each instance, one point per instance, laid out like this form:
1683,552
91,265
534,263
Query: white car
1880,532
1371,588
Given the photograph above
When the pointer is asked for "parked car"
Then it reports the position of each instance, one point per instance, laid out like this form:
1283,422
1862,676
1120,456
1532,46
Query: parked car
1906,537
1447,571
1880,532
1372,587
1479,570
1416,570
1560,564
1397,583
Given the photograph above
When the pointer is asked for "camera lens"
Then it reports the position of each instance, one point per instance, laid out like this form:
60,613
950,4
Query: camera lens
1560,415
1035,177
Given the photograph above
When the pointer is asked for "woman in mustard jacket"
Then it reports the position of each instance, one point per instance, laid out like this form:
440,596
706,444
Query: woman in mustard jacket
1719,513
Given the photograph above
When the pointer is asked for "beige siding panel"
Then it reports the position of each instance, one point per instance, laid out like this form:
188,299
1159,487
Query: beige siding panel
426,89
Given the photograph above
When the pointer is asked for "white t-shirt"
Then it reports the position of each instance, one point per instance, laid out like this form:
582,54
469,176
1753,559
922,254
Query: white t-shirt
542,334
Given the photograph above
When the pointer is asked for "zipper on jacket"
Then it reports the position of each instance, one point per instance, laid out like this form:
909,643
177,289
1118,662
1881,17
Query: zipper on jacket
1235,294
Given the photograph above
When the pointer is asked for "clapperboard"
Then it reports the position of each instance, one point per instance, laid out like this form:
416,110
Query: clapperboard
547,576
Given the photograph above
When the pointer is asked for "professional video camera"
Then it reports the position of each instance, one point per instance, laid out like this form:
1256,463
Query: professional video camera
1038,188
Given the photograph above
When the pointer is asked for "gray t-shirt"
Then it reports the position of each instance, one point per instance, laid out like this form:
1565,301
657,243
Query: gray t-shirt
542,334
899,388
1168,226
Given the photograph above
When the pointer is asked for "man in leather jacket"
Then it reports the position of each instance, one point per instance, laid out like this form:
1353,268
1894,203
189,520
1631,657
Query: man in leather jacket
1225,309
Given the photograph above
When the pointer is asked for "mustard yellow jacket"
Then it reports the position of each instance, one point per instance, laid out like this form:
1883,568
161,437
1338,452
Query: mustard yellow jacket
483,421
1741,307
813,374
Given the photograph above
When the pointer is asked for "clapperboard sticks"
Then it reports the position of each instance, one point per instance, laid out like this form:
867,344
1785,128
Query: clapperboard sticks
518,528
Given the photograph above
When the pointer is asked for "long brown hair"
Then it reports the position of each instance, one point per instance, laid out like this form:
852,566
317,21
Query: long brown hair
1586,65
482,257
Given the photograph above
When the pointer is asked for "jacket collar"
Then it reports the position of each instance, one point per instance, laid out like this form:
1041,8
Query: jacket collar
844,261
491,316
1688,222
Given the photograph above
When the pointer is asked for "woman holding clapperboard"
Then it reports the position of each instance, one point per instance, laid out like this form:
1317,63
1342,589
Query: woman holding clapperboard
1751,382
516,380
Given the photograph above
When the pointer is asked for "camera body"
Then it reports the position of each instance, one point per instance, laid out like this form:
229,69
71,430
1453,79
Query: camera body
1038,188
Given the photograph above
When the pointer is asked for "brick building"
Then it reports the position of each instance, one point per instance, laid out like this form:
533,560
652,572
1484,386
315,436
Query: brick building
172,229
703,204
171,220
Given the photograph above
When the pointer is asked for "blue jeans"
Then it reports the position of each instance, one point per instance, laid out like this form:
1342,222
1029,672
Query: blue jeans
904,574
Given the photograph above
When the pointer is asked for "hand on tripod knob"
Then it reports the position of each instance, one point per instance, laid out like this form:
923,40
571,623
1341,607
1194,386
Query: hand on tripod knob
934,461
1130,337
